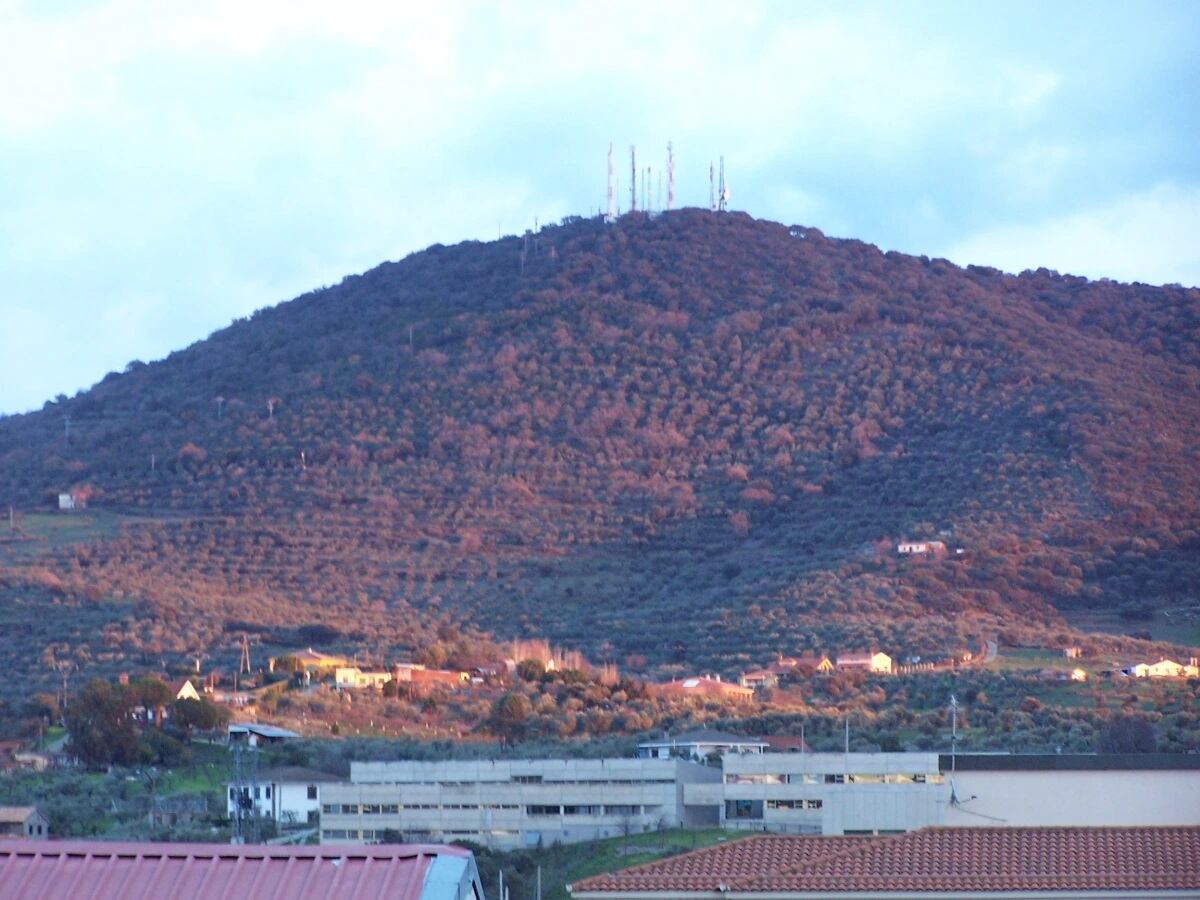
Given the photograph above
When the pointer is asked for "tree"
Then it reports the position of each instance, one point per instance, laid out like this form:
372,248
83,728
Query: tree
198,714
100,725
510,714
152,693
1127,734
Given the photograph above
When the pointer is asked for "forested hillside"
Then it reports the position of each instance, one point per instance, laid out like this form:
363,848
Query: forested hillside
689,441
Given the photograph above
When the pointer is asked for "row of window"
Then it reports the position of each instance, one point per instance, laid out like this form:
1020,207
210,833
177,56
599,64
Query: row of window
379,834
794,804
532,779
391,809
829,778
265,791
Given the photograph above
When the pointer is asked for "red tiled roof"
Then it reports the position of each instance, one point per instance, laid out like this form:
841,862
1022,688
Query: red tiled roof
100,870
933,861
711,867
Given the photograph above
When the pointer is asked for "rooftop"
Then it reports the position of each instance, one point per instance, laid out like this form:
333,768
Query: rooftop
262,729
16,814
130,871
297,775
1067,762
702,736
933,861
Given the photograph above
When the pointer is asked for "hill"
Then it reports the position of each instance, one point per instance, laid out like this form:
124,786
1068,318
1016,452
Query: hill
683,442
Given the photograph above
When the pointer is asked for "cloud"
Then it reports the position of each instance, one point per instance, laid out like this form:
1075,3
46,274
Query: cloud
167,167
1148,236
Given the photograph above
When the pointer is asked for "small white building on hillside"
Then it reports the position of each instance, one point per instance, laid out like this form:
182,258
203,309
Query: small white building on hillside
290,795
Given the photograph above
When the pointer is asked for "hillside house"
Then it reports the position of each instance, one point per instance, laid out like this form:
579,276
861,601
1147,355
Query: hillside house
709,686
291,795
1078,675
872,662
24,822
814,663
759,679
183,689
352,678
311,660
255,733
1072,652
1165,668
921,548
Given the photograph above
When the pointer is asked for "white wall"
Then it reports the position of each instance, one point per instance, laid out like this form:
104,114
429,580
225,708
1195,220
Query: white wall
1105,797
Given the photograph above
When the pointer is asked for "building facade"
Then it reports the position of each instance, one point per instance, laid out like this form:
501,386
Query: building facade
290,795
512,803
1073,789
826,793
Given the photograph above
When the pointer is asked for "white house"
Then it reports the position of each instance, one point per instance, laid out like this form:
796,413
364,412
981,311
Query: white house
917,548
1165,668
354,678
290,795
872,662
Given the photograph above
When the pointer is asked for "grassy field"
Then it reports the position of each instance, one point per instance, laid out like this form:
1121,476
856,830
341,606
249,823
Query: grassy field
37,531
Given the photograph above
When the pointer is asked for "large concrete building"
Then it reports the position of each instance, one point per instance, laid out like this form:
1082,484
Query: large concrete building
512,803
889,793
826,793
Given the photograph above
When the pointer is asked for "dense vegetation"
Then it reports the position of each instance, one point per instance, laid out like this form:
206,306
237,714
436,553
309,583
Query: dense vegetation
676,443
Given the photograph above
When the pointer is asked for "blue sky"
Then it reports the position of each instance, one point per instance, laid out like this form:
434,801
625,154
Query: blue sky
166,167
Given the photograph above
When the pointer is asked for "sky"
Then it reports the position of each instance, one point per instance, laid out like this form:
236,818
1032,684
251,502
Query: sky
167,167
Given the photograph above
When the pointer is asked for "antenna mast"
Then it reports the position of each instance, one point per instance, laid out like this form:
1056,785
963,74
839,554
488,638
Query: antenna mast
712,197
611,217
670,177
632,178
953,733
723,197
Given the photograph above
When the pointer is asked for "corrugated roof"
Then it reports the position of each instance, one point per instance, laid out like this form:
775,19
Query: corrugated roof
11,814
932,861
129,871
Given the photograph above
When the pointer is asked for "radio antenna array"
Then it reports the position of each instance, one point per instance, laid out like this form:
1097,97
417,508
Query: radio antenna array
633,174
612,213
723,196
670,177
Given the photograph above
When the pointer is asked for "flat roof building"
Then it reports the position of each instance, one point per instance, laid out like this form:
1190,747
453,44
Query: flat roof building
512,803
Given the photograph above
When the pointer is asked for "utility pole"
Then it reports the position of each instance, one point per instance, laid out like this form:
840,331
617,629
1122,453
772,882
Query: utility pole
953,733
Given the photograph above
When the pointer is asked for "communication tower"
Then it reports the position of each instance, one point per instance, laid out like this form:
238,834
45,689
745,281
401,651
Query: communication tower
670,177
611,216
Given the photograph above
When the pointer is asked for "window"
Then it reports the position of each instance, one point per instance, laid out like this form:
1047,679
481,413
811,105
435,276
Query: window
371,809
330,809
312,792
527,779
812,804
538,810
268,790
232,793
389,809
743,809
755,779
583,810
258,793
334,834
835,779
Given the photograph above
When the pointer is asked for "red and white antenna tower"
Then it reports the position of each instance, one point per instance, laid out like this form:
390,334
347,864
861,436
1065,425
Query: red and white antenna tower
670,177
611,217
632,178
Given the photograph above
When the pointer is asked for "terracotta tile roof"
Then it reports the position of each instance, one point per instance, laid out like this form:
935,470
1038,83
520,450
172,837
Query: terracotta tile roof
711,867
933,861
133,871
